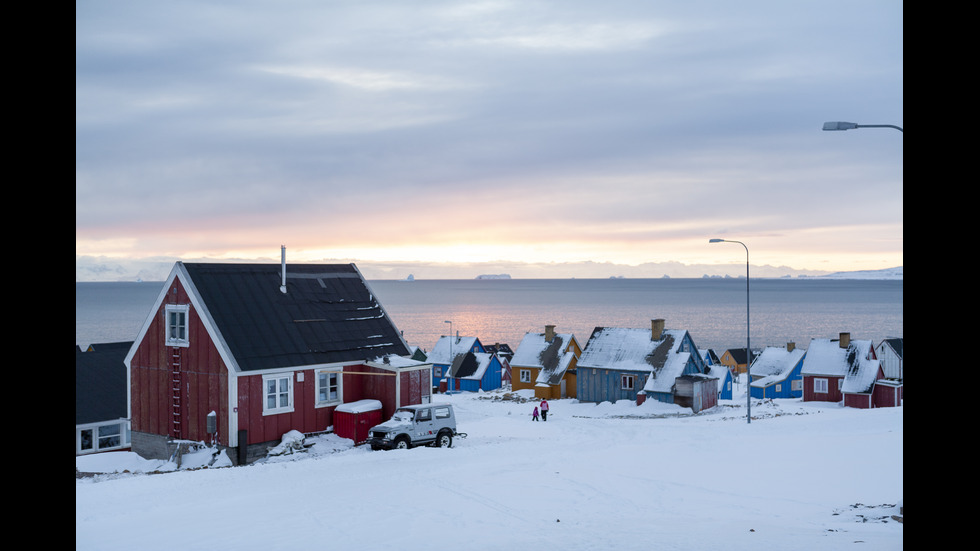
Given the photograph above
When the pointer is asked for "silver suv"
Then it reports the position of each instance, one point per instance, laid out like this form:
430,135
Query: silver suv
421,424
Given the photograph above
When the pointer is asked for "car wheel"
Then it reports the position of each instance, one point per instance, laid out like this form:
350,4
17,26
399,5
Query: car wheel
444,440
401,444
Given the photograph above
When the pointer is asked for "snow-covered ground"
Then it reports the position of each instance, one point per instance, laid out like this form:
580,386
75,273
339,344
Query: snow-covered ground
609,476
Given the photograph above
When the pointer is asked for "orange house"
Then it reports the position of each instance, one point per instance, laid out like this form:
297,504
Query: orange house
546,362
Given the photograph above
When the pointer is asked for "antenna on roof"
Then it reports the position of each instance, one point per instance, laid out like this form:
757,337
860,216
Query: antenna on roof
282,288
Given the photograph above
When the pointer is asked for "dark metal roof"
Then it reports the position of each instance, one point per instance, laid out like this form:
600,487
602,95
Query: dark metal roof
896,345
100,383
464,365
328,314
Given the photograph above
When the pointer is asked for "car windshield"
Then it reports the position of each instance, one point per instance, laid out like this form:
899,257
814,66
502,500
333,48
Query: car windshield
402,416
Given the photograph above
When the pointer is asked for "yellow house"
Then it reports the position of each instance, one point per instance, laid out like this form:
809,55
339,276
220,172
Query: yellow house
734,359
546,362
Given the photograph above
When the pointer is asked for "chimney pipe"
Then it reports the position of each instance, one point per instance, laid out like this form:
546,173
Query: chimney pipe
790,346
656,329
845,340
549,333
282,287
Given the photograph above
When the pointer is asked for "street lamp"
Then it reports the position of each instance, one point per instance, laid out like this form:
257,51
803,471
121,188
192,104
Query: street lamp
840,125
748,346
450,339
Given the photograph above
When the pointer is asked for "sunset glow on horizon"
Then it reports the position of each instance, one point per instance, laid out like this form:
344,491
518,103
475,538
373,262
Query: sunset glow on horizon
544,137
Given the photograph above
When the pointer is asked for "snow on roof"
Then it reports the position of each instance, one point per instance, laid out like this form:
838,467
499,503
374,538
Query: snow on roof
529,352
826,357
483,361
553,376
627,349
775,364
396,361
441,351
359,406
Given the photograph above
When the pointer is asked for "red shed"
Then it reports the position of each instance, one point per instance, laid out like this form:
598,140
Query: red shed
269,348
354,419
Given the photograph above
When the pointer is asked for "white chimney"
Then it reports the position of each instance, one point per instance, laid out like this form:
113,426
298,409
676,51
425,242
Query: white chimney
283,286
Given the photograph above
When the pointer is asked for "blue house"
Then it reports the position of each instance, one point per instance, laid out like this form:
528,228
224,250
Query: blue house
474,371
446,350
617,363
777,373
724,376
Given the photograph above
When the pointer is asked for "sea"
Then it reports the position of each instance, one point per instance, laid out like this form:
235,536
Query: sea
719,313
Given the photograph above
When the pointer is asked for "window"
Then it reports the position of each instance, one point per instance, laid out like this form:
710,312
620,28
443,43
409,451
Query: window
627,382
797,384
328,387
437,372
176,318
779,388
525,375
820,386
423,415
278,394
442,413
102,437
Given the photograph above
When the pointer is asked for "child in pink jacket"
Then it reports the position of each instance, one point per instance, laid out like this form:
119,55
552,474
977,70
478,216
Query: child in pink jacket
534,416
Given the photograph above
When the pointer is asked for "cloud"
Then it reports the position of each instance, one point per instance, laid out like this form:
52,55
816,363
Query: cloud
567,130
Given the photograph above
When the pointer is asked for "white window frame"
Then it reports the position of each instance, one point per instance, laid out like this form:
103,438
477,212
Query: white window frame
103,442
820,386
278,379
326,375
525,375
627,382
184,311
797,384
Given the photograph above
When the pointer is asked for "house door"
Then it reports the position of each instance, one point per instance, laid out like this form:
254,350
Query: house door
563,388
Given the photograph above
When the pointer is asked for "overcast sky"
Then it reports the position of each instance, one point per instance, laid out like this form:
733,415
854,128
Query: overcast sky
435,132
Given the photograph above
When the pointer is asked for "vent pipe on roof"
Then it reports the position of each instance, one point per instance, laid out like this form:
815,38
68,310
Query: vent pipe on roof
790,346
282,288
549,333
845,340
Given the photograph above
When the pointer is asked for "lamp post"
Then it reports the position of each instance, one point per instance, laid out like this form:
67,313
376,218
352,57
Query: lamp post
840,125
450,339
748,346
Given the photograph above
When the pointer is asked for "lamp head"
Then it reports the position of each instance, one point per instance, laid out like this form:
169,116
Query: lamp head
838,125
716,240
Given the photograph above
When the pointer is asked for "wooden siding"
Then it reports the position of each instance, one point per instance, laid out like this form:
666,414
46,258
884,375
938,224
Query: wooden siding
861,401
517,384
887,395
833,393
604,385
203,379
305,416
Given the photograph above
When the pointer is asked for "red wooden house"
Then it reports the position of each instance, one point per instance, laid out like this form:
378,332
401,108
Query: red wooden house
844,370
266,349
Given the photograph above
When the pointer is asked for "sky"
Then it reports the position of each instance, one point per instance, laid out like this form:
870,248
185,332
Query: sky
454,138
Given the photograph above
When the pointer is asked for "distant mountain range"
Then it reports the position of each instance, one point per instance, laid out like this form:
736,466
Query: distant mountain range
887,273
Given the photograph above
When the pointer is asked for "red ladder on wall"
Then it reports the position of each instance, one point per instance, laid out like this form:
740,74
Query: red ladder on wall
175,430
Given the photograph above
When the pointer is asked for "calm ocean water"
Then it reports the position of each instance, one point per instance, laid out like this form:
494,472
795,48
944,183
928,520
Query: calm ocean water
712,310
